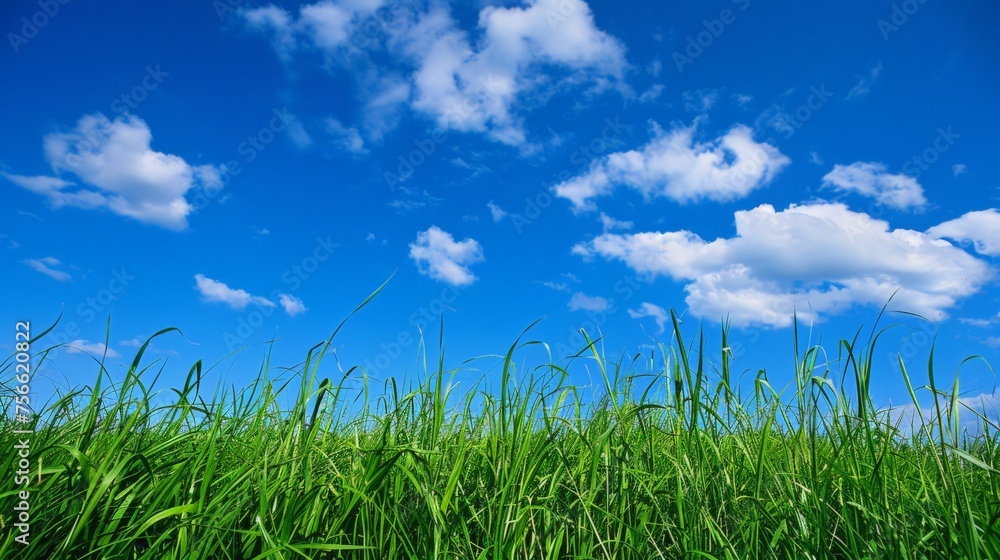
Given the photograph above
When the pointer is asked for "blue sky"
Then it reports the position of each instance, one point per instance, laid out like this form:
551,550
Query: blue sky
244,171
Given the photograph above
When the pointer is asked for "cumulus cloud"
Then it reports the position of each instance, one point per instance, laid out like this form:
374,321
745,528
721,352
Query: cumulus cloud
95,348
653,311
582,302
46,266
473,87
119,171
291,304
981,227
821,258
438,255
673,165
213,291
463,83
873,180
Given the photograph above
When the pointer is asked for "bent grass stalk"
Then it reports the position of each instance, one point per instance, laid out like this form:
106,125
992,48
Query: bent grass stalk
660,465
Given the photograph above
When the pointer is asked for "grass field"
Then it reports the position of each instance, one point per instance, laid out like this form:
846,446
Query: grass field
666,464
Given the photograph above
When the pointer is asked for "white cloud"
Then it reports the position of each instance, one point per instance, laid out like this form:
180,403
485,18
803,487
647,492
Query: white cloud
291,304
872,180
297,132
582,302
127,177
95,348
325,25
980,322
474,88
651,94
416,199
133,343
656,312
496,212
45,266
673,165
822,258
469,84
275,22
213,291
39,185
438,255
609,223
865,82
700,100
557,286
347,139
815,159
971,410
741,99
981,227
959,168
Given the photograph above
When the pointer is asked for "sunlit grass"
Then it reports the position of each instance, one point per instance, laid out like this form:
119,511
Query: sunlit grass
662,464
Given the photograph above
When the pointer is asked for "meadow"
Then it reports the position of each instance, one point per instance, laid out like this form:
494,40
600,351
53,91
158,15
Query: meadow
670,459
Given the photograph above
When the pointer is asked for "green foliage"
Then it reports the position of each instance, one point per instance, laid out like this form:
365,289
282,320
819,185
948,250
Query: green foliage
663,464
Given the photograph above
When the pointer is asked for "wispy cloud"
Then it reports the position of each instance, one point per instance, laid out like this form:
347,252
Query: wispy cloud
346,138
865,82
609,224
94,348
46,266
496,212
557,286
582,302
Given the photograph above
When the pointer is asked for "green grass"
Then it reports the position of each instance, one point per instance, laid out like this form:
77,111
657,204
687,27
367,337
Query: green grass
663,464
